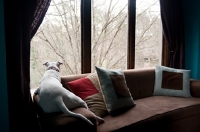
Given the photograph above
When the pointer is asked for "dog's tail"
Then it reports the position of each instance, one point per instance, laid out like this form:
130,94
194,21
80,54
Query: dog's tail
99,119
65,110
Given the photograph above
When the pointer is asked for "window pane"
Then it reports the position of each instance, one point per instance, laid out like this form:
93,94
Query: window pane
148,33
109,33
58,38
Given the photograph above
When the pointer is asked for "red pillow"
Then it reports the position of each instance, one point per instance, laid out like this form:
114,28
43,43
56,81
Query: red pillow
82,87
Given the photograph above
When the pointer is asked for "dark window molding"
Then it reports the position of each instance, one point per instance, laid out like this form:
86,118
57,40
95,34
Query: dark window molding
86,36
131,34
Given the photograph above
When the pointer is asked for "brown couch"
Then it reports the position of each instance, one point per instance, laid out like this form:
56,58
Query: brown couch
151,113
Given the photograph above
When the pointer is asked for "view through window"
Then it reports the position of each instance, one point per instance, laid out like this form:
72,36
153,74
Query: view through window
58,37
109,33
148,33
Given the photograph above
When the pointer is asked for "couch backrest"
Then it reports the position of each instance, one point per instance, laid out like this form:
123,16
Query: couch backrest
139,81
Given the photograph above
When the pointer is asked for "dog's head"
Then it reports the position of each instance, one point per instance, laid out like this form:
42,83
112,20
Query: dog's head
53,66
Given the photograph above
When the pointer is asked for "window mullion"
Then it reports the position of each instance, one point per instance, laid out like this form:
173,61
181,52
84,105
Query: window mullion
85,36
131,34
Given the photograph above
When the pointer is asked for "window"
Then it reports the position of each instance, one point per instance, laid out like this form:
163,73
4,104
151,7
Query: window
109,33
84,33
148,33
58,38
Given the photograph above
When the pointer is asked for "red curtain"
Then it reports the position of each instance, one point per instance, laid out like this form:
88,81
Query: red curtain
22,19
173,32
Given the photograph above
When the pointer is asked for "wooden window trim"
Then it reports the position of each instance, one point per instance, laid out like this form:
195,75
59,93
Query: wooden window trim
131,34
85,36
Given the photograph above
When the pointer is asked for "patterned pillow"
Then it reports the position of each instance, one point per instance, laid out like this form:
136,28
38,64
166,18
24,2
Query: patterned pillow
172,82
114,89
88,89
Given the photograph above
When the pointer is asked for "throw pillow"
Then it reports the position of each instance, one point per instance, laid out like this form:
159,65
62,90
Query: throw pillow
82,87
86,89
114,89
96,102
172,82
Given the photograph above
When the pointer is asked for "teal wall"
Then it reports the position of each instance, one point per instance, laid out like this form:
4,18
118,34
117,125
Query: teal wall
4,122
192,37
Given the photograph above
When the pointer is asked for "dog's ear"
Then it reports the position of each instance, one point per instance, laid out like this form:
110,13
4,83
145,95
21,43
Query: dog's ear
59,63
46,64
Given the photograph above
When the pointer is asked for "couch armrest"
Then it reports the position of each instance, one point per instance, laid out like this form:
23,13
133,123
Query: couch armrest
195,88
60,122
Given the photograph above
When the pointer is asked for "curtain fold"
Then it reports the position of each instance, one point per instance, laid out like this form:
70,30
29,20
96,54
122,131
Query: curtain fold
173,33
20,26
40,10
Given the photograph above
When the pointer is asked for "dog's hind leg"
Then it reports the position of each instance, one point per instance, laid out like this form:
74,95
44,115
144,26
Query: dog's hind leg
65,110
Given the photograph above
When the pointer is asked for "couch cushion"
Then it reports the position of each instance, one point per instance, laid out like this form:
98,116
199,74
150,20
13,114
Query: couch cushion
88,90
96,102
172,82
82,87
140,82
60,122
163,108
114,89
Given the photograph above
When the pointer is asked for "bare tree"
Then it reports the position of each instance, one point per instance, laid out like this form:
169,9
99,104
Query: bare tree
58,38
109,34
148,31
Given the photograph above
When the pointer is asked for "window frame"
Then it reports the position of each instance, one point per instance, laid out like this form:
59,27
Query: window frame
86,35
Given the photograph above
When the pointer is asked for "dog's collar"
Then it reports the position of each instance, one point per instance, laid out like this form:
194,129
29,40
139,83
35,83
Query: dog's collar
52,68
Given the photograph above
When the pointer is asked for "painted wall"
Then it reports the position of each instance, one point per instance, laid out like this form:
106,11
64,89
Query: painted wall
4,122
192,37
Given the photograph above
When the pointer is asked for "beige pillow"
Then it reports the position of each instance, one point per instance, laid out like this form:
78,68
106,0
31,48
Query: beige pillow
95,102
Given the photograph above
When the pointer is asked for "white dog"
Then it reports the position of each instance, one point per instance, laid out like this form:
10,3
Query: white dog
54,97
